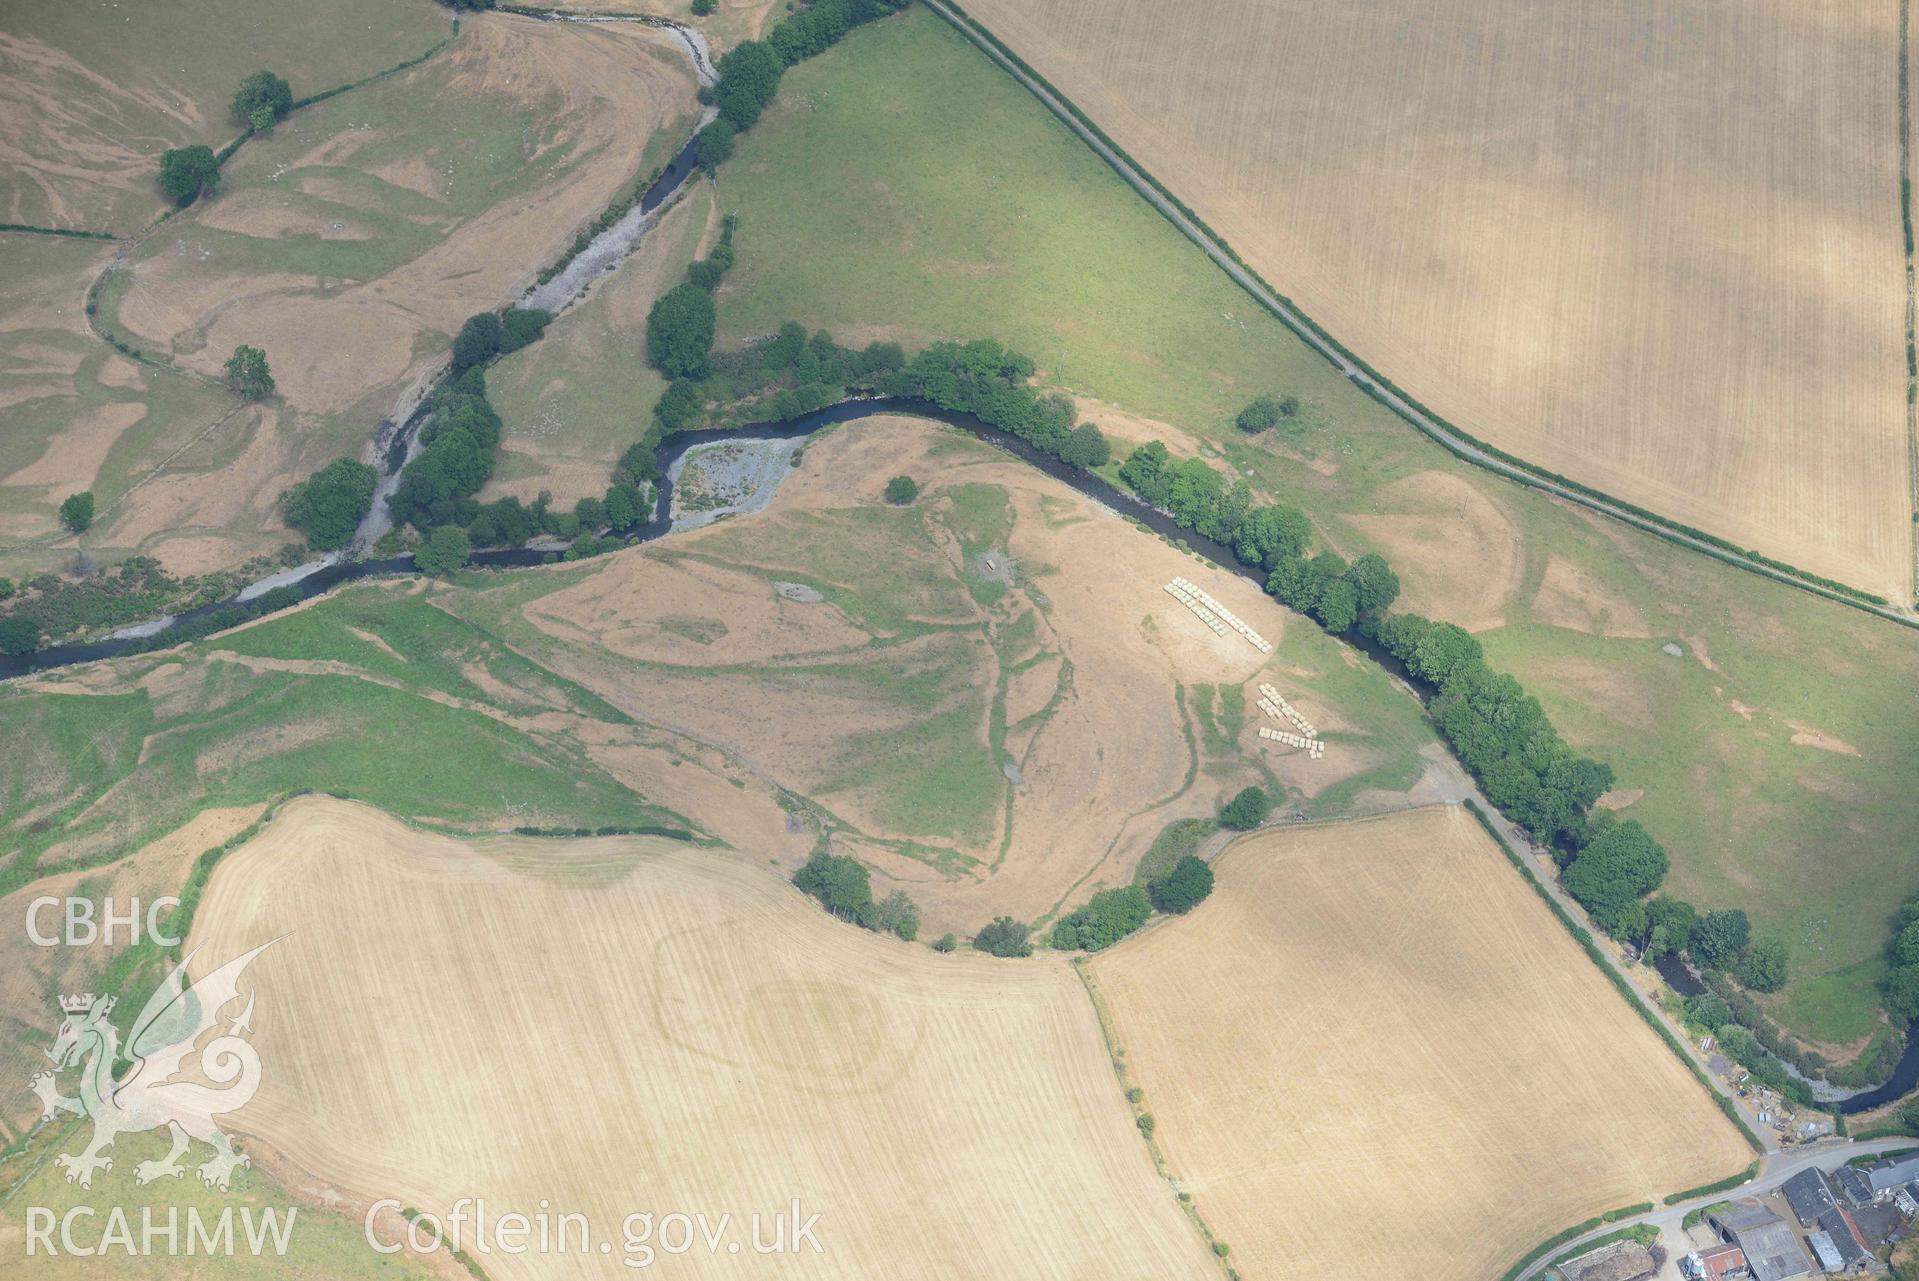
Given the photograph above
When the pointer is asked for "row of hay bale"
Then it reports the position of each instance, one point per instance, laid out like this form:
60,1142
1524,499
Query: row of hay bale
1191,602
1193,592
1314,748
1276,706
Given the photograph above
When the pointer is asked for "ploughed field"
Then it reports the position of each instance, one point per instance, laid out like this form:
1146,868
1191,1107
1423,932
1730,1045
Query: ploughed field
1374,1052
630,1024
1659,254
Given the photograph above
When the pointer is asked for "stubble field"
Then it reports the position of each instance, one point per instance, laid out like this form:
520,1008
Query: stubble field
667,1031
1380,1019
1559,228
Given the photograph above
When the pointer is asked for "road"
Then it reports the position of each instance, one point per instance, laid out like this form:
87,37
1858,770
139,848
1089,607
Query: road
1778,1167
1296,321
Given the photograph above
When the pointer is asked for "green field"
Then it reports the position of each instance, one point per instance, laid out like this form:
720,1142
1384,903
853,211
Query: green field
903,187
190,56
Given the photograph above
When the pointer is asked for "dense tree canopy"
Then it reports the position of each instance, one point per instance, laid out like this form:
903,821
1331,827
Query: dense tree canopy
19,634
679,332
445,550
1620,864
1184,886
749,77
247,373
1763,967
1108,918
1720,937
841,884
1246,810
715,145
262,96
1086,447
328,506
187,172
1004,936
76,513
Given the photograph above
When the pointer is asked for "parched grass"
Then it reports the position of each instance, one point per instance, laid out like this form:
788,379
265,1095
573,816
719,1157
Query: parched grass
195,53
976,213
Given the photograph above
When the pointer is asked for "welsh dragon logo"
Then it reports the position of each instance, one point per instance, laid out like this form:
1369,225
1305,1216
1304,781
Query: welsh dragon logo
146,1095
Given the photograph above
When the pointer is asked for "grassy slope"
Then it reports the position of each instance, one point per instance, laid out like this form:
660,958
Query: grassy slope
904,188
110,771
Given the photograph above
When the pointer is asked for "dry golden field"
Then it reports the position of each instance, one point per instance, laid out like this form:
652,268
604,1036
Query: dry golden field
1656,250
625,1025
1381,1016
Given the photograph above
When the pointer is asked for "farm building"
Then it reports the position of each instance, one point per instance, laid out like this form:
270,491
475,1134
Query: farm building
1852,1182
1772,1251
1620,1261
1809,1194
1884,1177
1720,1263
1848,1243
1824,1253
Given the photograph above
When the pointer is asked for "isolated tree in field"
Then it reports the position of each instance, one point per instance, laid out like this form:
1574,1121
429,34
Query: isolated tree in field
715,145
247,373
945,943
19,634
1004,936
263,96
1184,886
902,490
1763,967
1086,447
186,172
1246,811
76,513
704,8
445,550
679,332
329,505
1720,937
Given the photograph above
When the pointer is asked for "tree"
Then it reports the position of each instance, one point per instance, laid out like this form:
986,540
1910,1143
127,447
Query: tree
329,505
76,513
902,490
714,146
1086,447
1258,416
704,8
1905,945
1004,936
477,342
262,96
1708,1010
187,172
679,332
1108,918
842,884
1763,967
247,373
1621,863
898,915
6,588
1720,937
945,943
521,326
1902,993
749,77
19,634
445,550
1184,886
1375,586
1246,811
1337,608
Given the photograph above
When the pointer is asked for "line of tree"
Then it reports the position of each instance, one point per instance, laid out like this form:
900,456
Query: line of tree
749,74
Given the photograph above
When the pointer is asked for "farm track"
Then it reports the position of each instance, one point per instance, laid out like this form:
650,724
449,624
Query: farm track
1356,372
